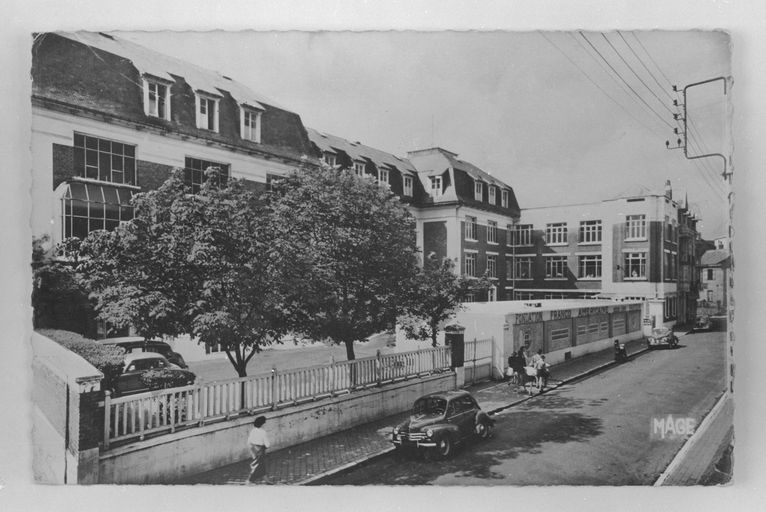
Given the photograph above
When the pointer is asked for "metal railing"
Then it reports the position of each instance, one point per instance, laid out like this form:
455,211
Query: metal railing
164,411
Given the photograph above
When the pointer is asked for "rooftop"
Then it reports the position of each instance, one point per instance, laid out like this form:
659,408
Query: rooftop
357,150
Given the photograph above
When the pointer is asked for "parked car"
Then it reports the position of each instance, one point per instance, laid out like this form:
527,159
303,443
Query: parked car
136,364
702,323
662,337
138,344
440,421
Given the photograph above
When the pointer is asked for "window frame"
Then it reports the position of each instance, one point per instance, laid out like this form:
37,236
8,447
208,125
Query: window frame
436,191
471,228
203,119
191,172
492,194
96,152
504,198
557,231
149,83
69,207
521,262
492,232
255,131
408,186
492,269
635,225
628,265
330,159
549,266
582,266
384,172
359,168
526,231
478,190
469,270
590,232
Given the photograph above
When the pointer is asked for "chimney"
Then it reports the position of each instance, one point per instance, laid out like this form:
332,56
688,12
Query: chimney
668,190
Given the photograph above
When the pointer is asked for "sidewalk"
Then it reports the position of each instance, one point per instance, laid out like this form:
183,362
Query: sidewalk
308,462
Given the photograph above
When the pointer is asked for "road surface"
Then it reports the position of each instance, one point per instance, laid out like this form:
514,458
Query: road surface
597,431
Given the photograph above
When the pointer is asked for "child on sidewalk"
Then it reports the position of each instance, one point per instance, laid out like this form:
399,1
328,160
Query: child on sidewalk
258,442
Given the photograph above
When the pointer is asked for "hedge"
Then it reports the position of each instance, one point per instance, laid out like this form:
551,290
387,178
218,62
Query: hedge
107,359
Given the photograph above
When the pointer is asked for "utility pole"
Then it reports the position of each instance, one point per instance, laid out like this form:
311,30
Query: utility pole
727,177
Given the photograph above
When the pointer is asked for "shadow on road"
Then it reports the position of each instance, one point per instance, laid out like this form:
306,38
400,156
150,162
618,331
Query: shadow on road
477,458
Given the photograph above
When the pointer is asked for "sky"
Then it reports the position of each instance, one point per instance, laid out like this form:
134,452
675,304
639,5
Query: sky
562,117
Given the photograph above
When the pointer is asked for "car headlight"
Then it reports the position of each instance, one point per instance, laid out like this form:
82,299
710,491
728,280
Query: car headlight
429,432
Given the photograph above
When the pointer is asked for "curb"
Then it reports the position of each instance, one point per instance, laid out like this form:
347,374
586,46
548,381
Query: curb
689,444
381,453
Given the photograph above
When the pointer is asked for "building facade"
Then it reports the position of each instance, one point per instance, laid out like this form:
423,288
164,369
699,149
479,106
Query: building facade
111,118
637,246
714,276
461,212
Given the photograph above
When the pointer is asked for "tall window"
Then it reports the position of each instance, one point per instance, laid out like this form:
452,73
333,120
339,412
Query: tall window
359,168
156,99
522,235
251,125
470,228
383,176
207,113
590,266
508,267
635,227
491,232
524,267
89,207
104,160
470,264
491,265
436,186
194,172
556,233
492,194
555,267
635,265
710,274
504,198
478,190
590,231
408,185
330,159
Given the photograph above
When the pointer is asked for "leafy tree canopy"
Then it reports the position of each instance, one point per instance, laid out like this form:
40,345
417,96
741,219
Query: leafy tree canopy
349,253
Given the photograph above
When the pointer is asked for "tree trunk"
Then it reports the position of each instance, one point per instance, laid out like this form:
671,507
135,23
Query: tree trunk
352,367
434,332
350,350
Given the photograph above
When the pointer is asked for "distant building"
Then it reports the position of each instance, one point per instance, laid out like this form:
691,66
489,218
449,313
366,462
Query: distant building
714,275
462,212
636,246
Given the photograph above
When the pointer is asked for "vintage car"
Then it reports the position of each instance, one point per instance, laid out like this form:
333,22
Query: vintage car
136,364
662,337
702,323
138,344
440,421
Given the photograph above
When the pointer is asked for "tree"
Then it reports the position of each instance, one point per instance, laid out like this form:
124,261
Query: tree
349,252
191,263
436,294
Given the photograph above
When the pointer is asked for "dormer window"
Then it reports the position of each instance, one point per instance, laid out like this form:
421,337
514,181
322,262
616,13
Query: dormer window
492,195
330,159
207,112
436,186
383,177
504,198
156,99
478,190
250,124
408,186
359,169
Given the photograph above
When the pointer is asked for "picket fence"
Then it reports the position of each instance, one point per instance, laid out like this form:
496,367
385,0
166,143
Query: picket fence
163,411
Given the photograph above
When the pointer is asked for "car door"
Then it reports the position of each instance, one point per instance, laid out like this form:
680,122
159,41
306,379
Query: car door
464,415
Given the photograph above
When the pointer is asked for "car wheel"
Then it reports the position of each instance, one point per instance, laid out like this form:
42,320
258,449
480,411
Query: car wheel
484,429
444,446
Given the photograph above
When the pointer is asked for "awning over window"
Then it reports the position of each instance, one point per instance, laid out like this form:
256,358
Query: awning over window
97,193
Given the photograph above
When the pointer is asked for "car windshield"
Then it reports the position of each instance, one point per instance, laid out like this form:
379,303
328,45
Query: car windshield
661,331
430,406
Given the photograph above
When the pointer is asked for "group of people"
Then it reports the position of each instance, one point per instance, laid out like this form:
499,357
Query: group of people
520,360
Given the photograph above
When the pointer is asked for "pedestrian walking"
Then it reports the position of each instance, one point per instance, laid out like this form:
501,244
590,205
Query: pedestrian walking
258,442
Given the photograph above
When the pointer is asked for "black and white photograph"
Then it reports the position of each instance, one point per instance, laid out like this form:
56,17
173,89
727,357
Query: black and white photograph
494,260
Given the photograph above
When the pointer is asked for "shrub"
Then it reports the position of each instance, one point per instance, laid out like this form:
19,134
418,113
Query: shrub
107,359
164,378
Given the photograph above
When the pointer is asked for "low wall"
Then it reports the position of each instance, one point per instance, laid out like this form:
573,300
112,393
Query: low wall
559,356
171,457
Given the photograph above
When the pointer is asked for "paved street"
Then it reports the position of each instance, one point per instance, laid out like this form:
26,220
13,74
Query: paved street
592,432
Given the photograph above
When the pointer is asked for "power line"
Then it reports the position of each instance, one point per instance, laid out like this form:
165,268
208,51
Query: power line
659,116
595,83
656,81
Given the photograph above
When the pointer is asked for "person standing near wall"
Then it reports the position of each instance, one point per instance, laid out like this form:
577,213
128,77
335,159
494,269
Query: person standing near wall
258,442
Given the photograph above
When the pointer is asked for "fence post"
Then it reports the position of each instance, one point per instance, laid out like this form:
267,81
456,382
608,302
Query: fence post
203,404
417,361
378,368
274,388
107,417
332,376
